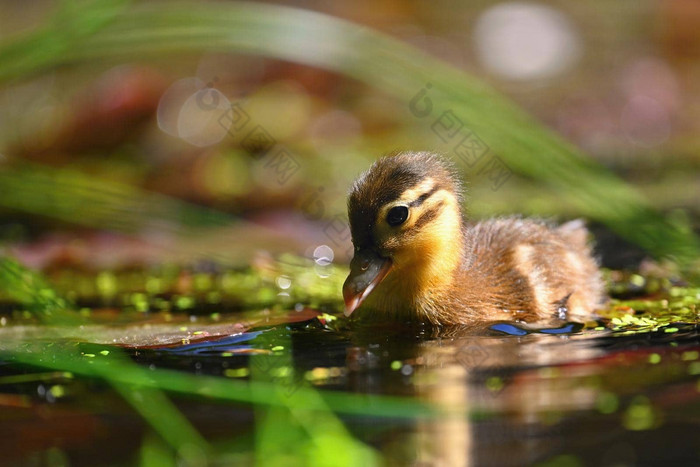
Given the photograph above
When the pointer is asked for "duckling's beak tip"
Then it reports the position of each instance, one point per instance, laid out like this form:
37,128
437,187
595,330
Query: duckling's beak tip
351,296
366,271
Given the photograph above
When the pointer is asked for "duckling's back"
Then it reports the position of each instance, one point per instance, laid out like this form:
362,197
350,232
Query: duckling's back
530,270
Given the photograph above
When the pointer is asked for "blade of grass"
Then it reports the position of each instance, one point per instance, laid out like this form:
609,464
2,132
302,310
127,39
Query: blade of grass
161,414
228,390
30,289
291,433
72,22
73,197
155,452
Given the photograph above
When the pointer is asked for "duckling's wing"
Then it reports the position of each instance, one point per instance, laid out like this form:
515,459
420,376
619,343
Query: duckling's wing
575,232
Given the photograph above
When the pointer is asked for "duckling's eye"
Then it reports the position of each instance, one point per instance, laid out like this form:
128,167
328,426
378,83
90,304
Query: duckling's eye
397,215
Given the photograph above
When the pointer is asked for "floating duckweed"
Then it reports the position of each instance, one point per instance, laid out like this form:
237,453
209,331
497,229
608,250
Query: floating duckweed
654,358
198,333
607,402
637,280
184,303
203,282
140,302
104,352
494,384
214,296
106,283
228,281
639,415
236,372
396,365
318,373
89,355
154,285
329,318
250,287
161,303
215,316
227,354
57,391
653,315
277,348
183,328
694,369
690,355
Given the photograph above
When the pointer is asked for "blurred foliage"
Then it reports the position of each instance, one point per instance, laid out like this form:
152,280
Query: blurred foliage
109,31
281,283
21,285
305,417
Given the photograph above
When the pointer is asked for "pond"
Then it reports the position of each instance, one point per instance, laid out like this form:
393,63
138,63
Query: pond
306,383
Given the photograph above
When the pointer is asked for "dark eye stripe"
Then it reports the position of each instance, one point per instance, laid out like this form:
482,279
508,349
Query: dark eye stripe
428,215
418,201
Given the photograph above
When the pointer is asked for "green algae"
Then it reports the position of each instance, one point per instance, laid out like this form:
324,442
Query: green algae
638,304
186,290
657,304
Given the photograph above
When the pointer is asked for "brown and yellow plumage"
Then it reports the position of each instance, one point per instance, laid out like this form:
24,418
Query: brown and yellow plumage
417,259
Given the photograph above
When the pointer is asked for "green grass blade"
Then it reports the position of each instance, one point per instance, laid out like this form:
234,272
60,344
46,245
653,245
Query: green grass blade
33,292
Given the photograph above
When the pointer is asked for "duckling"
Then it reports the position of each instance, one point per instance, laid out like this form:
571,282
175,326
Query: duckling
417,259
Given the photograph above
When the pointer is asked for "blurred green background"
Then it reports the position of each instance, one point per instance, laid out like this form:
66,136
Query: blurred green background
135,132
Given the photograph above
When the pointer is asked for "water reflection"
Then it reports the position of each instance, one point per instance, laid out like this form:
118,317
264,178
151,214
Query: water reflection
535,397
559,395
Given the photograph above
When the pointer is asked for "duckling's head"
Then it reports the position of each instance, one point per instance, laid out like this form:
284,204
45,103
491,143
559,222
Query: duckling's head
406,223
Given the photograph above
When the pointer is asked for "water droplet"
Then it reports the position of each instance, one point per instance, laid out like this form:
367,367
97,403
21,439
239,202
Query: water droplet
283,282
323,255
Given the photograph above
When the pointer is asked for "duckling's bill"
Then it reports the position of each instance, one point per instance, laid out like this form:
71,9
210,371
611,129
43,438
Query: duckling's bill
367,270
